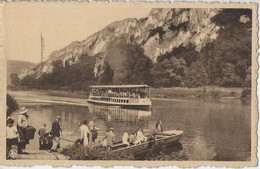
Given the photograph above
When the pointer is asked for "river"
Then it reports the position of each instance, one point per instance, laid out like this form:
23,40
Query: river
214,131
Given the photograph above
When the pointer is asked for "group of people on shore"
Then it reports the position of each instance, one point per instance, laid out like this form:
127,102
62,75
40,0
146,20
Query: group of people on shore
16,140
17,135
88,133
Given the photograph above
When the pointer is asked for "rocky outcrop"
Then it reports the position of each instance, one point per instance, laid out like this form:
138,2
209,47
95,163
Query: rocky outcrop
162,31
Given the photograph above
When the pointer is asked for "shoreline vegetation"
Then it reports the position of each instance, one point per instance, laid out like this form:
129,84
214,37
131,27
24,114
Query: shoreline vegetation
79,152
200,93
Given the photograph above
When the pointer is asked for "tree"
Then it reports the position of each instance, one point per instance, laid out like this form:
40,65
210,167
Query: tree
169,72
196,75
14,79
107,76
11,105
230,78
161,77
128,62
137,66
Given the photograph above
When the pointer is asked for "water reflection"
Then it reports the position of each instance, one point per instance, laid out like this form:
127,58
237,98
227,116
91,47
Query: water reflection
123,120
120,115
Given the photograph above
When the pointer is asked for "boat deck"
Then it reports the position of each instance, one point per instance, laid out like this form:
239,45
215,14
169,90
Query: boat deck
161,139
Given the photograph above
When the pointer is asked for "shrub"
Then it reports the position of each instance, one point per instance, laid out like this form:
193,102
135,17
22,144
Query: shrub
79,152
11,105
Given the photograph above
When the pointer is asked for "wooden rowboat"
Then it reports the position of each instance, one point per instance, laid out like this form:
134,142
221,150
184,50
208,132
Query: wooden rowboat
161,139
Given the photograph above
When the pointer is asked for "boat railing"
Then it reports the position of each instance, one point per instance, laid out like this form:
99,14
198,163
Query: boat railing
119,99
121,95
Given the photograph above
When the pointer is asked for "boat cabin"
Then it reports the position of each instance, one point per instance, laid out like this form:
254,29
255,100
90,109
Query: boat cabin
120,94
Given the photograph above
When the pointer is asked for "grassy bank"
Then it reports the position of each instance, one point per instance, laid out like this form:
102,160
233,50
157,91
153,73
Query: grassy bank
201,92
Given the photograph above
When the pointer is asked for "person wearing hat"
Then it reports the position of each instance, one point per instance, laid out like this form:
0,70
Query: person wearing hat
110,138
22,123
55,132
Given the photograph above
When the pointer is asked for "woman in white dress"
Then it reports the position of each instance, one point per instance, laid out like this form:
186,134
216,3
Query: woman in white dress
140,138
125,139
84,132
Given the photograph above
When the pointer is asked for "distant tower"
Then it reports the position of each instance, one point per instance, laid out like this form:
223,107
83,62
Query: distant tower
42,49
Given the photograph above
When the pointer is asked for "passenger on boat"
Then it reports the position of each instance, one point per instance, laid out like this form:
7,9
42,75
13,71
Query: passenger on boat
131,139
140,138
125,139
84,132
110,138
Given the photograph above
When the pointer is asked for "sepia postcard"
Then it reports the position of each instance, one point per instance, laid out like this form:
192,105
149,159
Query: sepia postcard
132,84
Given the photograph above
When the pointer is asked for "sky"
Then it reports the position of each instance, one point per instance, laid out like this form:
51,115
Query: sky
59,23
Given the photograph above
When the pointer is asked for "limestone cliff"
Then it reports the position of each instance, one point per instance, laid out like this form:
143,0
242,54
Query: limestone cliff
162,31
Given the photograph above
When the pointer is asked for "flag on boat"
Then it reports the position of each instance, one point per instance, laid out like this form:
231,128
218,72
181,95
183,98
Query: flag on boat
158,125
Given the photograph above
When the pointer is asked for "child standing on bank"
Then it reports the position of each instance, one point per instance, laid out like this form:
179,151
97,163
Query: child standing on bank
11,137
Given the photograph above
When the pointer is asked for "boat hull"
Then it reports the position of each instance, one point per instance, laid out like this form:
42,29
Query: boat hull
126,105
161,141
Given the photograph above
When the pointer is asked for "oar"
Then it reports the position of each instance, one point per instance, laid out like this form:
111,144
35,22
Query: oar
67,140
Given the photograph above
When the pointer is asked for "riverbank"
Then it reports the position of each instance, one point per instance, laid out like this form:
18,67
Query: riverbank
207,92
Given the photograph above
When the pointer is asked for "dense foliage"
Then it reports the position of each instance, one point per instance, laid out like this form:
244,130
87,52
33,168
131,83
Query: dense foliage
224,62
11,105
69,77
129,64
79,152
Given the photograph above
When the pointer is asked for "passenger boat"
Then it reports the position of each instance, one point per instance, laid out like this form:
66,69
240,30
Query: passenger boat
136,96
161,139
